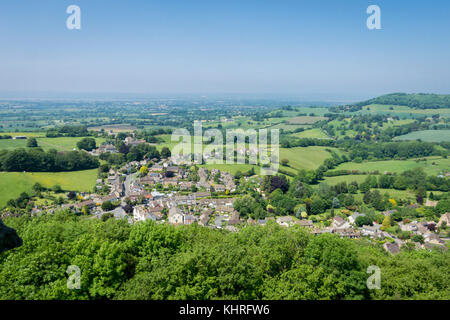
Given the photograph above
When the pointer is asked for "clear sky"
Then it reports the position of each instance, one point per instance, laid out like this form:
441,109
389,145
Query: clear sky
308,48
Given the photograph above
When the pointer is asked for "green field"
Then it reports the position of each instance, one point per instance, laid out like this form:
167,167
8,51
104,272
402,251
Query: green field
305,120
441,165
12,184
427,135
347,178
403,111
315,133
309,158
60,144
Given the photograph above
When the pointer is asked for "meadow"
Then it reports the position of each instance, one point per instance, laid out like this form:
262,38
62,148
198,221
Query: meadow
440,165
426,135
315,133
60,143
13,184
403,111
308,158
305,120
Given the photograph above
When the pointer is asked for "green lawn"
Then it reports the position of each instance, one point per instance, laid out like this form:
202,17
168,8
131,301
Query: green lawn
427,135
12,184
441,165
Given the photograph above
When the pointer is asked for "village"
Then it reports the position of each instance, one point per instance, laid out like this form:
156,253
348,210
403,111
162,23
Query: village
161,191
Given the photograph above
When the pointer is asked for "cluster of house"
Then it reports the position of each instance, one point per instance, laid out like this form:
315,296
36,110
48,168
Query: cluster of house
346,229
110,148
183,210
226,180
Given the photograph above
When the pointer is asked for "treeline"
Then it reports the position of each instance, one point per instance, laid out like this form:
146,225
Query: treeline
389,150
150,261
292,142
415,100
67,131
37,160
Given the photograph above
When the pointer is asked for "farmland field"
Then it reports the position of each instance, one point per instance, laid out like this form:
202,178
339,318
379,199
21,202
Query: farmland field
427,135
305,158
312,133
60,144
347,178
13,184
441,165
403,111
305,120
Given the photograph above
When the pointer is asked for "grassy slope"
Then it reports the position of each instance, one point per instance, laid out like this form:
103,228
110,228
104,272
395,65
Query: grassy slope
316,133
12,184
60,144
305,158
399,165
427,135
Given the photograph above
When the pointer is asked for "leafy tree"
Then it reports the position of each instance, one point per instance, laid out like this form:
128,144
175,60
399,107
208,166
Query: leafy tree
165,153
143,171
107,206
87,144
417,238
386,223
32,143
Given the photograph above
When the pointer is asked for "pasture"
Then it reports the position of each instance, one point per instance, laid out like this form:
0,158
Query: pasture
60,143
309,158
315,133
305,120
440,165
426,135
403,111
13,184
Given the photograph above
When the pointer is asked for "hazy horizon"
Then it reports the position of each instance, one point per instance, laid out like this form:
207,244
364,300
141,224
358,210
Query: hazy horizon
307,49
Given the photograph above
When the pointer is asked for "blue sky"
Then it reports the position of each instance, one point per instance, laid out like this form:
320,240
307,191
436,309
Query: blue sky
305,48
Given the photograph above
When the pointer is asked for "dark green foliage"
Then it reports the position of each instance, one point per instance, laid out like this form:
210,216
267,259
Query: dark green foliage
32,143
416,100
87,144
37,160
165,152
151,261
8,238
271,183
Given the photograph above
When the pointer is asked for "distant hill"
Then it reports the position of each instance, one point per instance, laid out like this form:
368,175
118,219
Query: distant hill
415,100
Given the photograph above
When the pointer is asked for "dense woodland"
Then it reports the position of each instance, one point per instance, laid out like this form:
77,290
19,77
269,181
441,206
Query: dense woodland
150,261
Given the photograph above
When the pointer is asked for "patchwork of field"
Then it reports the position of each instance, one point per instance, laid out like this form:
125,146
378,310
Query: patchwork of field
427,135
433,165
12,184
